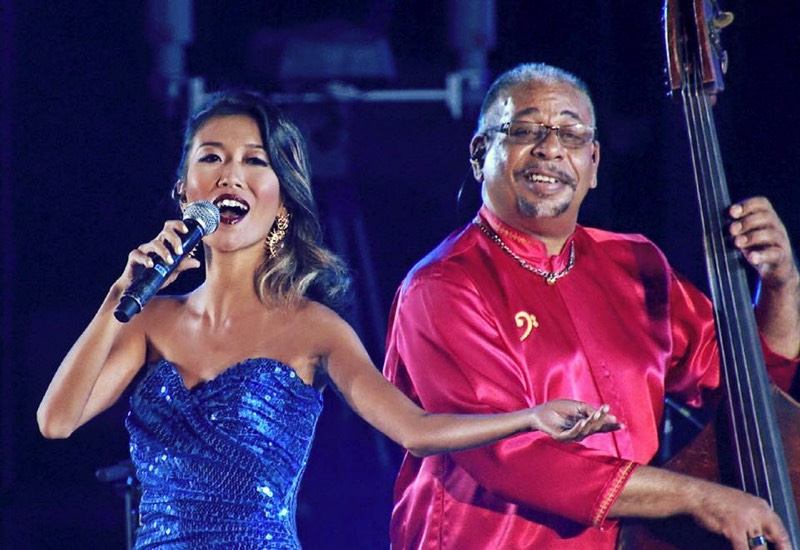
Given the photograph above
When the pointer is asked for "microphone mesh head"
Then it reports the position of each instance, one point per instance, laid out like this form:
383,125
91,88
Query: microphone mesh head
204,213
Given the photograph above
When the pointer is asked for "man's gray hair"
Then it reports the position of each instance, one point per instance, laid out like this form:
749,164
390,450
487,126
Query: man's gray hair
531,72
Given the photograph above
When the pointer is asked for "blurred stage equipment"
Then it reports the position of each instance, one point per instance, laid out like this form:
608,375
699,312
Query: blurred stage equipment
472,33
122,476
169,31
327,57
319,63
330,54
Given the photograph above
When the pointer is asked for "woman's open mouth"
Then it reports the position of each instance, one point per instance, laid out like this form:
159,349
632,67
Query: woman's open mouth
232,209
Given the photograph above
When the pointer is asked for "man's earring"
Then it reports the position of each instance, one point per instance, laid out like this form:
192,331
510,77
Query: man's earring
277,234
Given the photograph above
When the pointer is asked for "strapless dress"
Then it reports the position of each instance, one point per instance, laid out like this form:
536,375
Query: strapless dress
220,464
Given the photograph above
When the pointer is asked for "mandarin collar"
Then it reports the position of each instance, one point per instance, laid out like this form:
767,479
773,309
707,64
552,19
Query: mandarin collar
527,247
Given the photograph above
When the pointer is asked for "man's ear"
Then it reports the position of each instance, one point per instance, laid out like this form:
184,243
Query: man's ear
595,161
477,153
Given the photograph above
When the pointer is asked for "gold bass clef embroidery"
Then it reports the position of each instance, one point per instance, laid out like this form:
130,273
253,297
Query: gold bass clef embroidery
527,320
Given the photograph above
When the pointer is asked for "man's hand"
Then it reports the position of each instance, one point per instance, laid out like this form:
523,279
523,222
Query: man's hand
731,513
761,236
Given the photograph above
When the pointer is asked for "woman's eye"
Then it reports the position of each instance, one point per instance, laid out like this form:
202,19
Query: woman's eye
210,157
257,161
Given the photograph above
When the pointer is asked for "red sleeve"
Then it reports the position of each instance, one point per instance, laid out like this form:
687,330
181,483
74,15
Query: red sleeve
446,352
695,365
781,370
694,368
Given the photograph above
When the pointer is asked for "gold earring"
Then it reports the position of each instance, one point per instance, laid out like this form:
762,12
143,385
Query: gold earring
277,234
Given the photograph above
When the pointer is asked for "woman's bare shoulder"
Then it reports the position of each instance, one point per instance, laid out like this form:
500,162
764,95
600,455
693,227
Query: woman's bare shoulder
321,316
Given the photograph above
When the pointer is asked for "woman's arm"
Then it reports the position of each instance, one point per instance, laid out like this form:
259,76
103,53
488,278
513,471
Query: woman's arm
94,373
422,433
108,354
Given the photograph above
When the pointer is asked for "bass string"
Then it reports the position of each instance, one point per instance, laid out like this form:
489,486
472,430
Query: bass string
723,268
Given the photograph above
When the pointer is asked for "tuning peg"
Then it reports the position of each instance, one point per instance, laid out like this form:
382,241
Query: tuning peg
722,19
723,62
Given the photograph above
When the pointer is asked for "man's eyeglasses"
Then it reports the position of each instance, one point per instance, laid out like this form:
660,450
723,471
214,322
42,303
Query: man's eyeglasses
523,132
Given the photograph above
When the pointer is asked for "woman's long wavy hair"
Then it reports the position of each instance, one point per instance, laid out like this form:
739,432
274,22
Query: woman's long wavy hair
304,267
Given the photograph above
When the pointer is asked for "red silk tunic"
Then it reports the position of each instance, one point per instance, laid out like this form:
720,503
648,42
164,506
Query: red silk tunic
473,331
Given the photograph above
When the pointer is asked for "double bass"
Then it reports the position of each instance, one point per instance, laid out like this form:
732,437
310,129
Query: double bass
758,426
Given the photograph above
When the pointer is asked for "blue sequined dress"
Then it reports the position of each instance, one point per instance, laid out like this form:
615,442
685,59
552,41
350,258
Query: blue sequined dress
220,464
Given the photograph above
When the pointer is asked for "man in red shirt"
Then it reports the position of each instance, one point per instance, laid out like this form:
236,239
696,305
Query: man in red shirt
525,305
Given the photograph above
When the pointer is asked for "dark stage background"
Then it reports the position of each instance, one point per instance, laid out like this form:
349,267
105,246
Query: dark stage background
89,146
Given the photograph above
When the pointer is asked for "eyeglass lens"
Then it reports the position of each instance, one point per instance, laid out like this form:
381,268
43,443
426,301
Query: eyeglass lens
572,136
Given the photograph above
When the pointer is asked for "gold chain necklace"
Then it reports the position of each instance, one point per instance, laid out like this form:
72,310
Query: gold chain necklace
549,276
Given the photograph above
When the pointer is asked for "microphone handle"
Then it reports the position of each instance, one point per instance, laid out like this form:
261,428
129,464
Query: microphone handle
148,284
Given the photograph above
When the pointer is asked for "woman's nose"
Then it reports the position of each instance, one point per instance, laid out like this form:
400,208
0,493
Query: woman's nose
230,177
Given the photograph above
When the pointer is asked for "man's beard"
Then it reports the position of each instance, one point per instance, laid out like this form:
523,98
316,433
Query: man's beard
544,209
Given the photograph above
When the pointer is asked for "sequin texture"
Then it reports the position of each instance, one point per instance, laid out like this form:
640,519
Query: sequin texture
220,464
